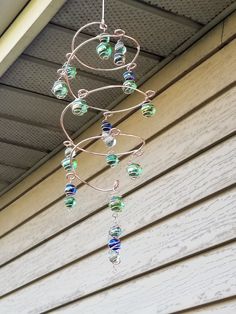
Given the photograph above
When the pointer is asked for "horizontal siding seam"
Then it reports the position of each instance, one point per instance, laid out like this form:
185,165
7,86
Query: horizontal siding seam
203,306
140,275
155,223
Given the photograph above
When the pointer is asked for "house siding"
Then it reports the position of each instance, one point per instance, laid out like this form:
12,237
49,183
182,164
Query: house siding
178,246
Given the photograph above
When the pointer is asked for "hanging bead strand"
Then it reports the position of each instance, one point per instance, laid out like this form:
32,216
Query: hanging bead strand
116,204
70,189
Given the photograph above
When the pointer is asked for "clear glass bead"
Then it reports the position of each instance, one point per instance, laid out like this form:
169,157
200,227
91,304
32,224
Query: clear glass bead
79,107
120,47
109,140
60,89
68,151
114,257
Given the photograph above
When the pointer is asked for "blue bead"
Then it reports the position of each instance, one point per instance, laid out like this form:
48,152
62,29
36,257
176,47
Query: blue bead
114,244
129,76
70,189
119,59
106,126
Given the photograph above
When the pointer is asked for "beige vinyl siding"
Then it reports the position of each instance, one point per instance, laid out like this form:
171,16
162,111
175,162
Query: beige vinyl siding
178,247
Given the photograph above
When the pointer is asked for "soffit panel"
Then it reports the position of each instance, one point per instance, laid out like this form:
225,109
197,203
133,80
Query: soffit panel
19,156
23,134
36,109
40,78
155,34
9,173
198,10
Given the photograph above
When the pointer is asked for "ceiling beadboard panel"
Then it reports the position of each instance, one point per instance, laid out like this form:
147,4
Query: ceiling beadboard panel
39,78
37,110
3,184
38,138
9,174
202,11
19,156
153,32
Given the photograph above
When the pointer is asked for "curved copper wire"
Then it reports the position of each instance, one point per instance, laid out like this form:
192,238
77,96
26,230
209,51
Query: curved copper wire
82,93
72,175
117,34
134,151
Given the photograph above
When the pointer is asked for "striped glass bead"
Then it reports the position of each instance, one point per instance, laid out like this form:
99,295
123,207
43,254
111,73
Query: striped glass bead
70,70
68,151
134,170
148,109
105,39
129,76
116,203
106,126
114,257
70,189
114,244
79,107
129,87
120,47
115,231
67,165
112,160
60,89
104,50
119,59
70,201
109,140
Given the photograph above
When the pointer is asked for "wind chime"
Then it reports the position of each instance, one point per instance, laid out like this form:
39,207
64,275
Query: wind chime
109,134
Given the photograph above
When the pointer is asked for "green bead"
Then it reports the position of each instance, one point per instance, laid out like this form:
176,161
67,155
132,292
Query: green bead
105,39
134,170
70,70
115,231
75,164
116,203
129,87
60,89
112,160
148,109
104,50
79,107
70,201
67,165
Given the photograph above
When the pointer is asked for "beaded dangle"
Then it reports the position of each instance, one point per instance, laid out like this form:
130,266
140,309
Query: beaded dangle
109,135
